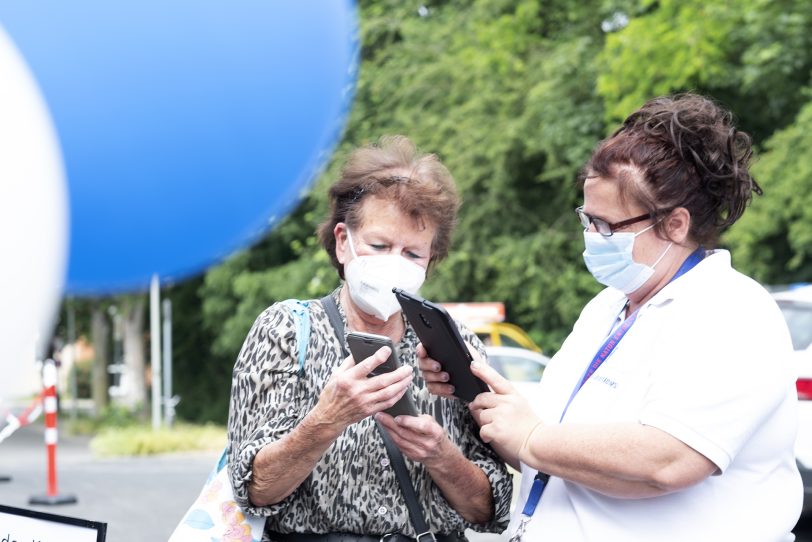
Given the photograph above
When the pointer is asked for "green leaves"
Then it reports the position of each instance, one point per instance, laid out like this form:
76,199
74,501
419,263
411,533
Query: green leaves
773,240
680,45
753,55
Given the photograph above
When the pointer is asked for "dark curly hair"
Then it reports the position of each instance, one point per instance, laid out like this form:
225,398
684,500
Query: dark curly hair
688,154
393,169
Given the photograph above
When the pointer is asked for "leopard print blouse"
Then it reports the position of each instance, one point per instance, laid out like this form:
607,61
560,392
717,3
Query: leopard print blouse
352,488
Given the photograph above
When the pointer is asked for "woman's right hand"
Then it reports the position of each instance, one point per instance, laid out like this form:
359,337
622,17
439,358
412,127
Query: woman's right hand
350,396
505,418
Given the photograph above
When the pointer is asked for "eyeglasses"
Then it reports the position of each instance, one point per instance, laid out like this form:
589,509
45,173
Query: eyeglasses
607,228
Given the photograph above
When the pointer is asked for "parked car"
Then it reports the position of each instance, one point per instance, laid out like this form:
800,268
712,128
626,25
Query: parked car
796,305
521,366
504,334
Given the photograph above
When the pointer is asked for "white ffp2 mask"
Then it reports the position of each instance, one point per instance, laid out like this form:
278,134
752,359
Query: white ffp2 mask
371,279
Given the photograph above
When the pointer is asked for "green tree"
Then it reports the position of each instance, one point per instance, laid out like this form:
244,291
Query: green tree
773,240
753,55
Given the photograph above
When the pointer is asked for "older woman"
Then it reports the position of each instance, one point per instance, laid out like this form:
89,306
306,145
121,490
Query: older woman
304,450
669,413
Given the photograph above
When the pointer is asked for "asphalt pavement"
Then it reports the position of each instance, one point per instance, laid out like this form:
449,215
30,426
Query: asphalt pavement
140,498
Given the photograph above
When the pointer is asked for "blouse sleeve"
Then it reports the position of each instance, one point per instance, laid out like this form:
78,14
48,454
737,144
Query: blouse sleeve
263,405
484,457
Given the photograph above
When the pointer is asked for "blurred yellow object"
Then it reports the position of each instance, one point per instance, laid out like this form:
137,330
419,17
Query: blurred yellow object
487,320
504,334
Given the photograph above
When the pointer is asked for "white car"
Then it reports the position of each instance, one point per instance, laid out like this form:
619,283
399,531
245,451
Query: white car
521,366
796,305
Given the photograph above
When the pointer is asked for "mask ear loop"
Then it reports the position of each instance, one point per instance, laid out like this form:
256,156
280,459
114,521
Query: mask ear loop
352,247
644,230
663,254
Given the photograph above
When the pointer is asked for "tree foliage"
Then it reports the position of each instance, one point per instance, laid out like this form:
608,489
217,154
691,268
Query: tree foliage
773,240
513,95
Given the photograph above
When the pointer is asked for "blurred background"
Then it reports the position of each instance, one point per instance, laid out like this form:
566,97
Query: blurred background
512,95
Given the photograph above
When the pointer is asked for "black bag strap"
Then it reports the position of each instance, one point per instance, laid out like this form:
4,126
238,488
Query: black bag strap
398,463
334,316
406,487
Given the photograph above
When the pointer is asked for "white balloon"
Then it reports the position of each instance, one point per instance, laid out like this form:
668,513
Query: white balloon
33,224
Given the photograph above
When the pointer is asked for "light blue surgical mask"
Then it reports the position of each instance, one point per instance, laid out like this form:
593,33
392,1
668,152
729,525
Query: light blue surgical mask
610,260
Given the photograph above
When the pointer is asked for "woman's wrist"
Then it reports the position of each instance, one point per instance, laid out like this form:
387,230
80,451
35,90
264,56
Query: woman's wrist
320,427
524,453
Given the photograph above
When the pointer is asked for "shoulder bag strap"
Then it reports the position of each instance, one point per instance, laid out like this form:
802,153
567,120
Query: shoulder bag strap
334,316
406,487
301,314
395,456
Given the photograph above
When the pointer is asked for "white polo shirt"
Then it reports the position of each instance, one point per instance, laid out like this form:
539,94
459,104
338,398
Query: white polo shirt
707,361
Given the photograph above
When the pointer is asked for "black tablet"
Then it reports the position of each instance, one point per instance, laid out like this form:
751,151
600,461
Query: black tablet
443,342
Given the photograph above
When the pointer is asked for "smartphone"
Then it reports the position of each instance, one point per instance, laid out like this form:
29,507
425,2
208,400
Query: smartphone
363,345
443,342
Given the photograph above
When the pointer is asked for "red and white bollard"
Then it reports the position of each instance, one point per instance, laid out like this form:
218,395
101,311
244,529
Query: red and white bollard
52,496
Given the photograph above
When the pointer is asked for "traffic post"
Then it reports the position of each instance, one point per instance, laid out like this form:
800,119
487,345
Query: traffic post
52,495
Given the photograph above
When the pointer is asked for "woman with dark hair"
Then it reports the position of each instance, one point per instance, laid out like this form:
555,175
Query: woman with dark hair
304,450
669,413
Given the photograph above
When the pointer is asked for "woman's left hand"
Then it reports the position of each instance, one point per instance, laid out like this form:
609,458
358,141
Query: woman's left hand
420,438
436,379
505,418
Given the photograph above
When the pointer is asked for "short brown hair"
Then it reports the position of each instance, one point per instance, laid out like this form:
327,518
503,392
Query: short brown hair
393,169
687,153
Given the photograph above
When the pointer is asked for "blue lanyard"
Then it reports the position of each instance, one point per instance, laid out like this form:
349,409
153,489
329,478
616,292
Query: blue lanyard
606,349
603,353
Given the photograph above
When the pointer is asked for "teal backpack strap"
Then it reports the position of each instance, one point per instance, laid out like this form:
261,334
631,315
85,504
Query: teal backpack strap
301,314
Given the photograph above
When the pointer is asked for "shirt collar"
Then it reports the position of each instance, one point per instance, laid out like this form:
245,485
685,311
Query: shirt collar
713,262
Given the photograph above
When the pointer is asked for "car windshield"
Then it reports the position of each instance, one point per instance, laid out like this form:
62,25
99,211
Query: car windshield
799,321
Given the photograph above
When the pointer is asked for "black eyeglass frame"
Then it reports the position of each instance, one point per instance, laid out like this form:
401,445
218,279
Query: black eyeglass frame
607,228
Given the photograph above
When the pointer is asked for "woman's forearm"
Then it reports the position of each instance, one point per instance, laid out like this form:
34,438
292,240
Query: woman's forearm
464,485
619,460
281,466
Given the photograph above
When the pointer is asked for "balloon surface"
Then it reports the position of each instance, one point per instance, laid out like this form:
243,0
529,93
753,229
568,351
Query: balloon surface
33,224
188,127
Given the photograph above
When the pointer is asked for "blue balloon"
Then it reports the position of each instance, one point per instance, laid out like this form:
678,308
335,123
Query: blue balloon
188,127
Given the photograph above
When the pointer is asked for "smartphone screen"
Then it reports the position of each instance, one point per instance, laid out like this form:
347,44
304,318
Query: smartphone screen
363,345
